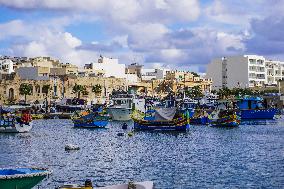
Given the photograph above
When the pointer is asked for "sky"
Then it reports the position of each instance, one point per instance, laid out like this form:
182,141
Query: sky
176,34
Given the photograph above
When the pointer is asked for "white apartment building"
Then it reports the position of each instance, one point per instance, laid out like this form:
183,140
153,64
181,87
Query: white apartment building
275,71
108,67
6,66
244,71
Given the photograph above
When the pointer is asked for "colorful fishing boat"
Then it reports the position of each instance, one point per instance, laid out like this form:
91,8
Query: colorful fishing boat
200,117
164,119
254,108
226,119
21,178
91,120
11,123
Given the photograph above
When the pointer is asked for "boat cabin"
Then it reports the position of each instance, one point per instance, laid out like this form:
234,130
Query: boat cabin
250,103
122,101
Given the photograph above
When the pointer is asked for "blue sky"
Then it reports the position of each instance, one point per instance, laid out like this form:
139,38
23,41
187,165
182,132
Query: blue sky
179,34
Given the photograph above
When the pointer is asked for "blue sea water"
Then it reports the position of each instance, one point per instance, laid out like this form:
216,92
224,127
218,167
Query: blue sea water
249,156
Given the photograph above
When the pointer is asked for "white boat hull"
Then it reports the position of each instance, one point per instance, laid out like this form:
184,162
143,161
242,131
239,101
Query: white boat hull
17,128
120,114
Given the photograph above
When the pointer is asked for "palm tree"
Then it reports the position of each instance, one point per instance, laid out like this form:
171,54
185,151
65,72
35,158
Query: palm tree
97,89
79,89
26,89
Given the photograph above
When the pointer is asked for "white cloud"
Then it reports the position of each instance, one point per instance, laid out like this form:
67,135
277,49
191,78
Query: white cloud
143,37
126,10
139,30
37,39
13,28
71,41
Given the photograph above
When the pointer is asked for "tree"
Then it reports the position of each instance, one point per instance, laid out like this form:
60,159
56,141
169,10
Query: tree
97,89
214,91
79,89
224,92
194,74
194,92
26,89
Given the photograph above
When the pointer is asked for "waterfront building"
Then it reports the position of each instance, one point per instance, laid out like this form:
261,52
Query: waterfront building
42,62
64,69
6,66
33,73
60,87
275,71
150,74
106,67
186,79
244,71
134,68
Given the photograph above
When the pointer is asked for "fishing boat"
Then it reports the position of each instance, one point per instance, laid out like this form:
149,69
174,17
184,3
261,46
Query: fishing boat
254,108
164,119
187,106
91,120
121,107
200,117
226,118
131,185
12,123
21,178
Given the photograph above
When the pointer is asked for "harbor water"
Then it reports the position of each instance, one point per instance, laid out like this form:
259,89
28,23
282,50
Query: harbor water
248,156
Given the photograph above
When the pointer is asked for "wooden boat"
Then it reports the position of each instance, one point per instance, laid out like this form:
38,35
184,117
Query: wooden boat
91,120
130,185
164,119
228,119
15,124
21,178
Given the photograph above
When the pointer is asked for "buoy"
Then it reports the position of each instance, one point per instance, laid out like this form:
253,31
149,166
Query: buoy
71,147
124,126
130,134
120,134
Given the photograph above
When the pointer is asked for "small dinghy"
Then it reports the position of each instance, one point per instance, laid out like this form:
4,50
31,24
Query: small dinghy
21,178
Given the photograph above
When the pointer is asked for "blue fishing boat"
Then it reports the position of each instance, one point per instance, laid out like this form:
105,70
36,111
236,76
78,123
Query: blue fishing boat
21,178
163,119
255,108
91,120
